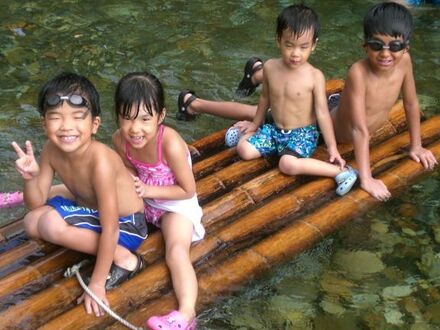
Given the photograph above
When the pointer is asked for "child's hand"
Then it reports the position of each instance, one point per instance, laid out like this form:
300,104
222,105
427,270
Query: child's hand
140,187
376,188
424,156
26,164
335,157
90,304
246,126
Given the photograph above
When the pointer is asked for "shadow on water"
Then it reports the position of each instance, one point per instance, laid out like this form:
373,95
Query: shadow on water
379,272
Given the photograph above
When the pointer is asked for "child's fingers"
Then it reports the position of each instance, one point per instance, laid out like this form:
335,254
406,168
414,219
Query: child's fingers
20,153
29,149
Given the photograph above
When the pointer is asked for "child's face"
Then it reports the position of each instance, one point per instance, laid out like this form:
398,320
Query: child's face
70,127
142,129
384,52
295,51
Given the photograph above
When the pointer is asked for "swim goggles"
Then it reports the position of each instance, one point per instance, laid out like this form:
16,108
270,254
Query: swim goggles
74,100
394,46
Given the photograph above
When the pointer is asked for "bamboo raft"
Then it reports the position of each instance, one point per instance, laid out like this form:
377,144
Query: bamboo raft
255,217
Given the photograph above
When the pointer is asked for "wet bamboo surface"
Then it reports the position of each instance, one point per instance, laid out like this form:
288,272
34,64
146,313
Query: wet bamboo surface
251,204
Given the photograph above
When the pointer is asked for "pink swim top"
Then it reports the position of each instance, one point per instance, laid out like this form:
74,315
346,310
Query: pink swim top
158,174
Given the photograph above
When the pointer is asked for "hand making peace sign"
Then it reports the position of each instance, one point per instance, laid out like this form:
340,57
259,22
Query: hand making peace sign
26,164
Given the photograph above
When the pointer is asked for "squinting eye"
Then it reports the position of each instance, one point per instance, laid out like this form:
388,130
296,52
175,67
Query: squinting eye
53,117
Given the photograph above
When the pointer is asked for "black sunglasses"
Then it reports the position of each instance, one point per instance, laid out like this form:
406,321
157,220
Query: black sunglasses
74,100
394,46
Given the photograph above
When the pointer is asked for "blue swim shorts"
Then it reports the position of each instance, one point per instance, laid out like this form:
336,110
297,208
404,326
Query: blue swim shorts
132,229
299,142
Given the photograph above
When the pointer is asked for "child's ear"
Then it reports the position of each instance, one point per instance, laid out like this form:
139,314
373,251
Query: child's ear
162,115
43,123
364,46
95,124
314,44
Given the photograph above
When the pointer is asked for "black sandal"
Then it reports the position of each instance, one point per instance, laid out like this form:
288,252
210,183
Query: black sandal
246,87
118,274
182,107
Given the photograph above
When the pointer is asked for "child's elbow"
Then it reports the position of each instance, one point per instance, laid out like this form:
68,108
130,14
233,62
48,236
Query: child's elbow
360,132
190,193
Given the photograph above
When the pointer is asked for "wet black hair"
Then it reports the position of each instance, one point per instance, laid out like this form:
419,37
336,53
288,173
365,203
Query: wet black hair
298,19
139,89
66,84
388,18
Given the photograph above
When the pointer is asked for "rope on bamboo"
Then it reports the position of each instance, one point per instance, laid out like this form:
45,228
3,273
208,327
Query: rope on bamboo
74,270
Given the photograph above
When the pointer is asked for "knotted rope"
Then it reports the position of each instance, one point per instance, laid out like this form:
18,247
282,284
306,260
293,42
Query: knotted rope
74,270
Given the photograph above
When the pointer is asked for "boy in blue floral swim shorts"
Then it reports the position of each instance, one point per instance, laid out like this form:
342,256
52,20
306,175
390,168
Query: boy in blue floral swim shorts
295,92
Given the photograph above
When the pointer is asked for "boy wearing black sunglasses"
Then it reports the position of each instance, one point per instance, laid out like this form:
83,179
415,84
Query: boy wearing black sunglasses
96,210
372,87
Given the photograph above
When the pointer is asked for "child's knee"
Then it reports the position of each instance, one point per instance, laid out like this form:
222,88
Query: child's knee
288,165
50,227
30,222
176,253
246,151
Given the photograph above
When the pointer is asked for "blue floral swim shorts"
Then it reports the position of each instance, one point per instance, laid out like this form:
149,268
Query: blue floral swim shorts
300,142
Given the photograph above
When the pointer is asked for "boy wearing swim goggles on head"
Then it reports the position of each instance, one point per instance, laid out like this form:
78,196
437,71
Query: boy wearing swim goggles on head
96,210
372,87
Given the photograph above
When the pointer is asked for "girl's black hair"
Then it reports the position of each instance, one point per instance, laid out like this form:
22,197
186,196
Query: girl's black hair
388,18
66,84
139,89
298,19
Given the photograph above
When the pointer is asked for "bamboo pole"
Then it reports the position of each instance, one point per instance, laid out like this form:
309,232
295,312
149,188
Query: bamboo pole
269,216
24,250
217,213
301,234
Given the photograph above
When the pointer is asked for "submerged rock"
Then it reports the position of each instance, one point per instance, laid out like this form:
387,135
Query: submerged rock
359,262
334,285
398,291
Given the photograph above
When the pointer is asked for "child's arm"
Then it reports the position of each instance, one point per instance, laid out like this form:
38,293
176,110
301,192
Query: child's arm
324,119
263,105
37,179
412,112
175,153
355,91
104,184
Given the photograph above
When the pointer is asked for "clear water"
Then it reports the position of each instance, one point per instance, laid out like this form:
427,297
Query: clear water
203,45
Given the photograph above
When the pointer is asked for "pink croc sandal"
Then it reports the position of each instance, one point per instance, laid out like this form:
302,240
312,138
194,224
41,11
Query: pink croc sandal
10,199
171,321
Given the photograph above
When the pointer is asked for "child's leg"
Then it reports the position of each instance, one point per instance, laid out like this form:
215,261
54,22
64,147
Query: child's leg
31,221
177,232
47,224
246,150
345,179
229,110
292,165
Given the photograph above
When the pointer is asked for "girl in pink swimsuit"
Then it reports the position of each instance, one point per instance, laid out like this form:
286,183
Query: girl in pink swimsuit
160,161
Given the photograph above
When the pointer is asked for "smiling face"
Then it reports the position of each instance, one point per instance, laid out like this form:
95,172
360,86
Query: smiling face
295,50
384,59
70,128
140,130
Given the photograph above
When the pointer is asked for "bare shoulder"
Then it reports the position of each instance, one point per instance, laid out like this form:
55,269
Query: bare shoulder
358,69
104,157
270,66
406,62
318,76
172,141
